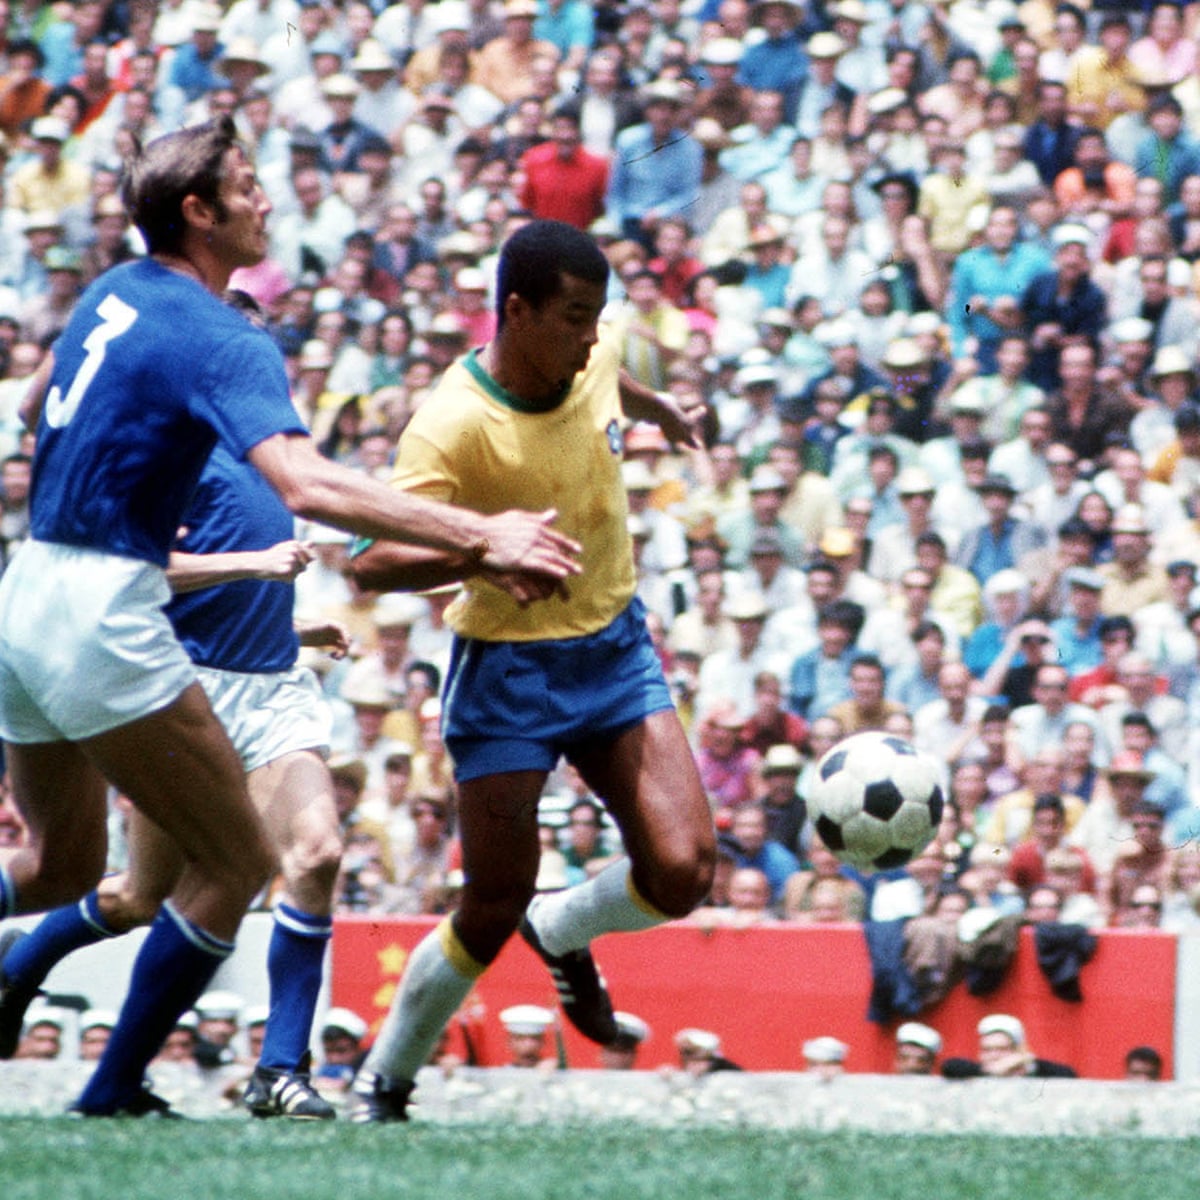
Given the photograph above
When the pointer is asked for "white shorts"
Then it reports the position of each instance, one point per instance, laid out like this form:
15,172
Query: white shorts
269,715
84,644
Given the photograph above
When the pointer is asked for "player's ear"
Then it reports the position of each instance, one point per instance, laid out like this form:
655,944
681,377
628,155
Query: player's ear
197,213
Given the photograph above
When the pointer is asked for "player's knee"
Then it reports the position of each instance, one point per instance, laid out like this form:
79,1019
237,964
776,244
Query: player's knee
312,863
681,878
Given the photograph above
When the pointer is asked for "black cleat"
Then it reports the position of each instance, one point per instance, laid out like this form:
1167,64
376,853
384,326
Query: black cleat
14,1000
278,1093
581,988
377,1101
144,1104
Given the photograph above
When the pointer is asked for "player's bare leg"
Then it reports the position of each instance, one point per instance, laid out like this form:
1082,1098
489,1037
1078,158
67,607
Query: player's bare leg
179,768
498,827
648,779
294,796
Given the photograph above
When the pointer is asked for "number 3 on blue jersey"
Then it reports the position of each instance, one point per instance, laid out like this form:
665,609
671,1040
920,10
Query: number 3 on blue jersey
116,317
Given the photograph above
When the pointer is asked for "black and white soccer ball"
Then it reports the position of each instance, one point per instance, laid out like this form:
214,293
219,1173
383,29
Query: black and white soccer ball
876,801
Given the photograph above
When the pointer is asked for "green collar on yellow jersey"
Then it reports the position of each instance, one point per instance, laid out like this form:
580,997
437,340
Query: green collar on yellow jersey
501,394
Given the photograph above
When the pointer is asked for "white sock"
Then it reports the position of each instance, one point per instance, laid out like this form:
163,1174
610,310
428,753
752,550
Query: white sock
607,903
439,975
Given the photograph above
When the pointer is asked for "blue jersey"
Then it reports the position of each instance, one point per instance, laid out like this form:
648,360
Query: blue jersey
245,625
151,370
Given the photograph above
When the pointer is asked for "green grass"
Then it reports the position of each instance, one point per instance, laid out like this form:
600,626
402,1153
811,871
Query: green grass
61,1159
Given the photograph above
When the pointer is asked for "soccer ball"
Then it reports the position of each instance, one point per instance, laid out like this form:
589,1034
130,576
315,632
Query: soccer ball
877,801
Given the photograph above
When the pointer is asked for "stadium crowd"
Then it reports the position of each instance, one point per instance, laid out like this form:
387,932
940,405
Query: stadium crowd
932,267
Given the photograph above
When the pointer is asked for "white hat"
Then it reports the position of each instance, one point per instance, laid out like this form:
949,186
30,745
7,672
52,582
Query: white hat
631,1028
243,49
340,85
756,373
782,759
1010,1026
527,1020
471,279
49,129
923,322
886,99
1172,360
825,1050
97,1018
914,481
904,353
451,16
764,478
315,356
835,333
47,1014
1071,235
394,609
1132,329
364,689
347,1021
700,1040
967,398
913,1033
256,1014
636,476
372,56
722,51
1006,582
747,604
220,1006
825,45
206,18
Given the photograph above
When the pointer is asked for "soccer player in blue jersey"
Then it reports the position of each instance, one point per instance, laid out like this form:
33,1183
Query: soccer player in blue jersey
535,416
94,684
232,609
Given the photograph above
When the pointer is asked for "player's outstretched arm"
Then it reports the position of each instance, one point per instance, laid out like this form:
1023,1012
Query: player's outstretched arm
397,567
680,425
280,563
317,489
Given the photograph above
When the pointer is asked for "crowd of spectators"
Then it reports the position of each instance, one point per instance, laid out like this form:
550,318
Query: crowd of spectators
932,267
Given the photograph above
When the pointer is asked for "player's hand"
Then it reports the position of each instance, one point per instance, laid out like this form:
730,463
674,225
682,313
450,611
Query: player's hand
528,543
331,636
681,423
526,588
282,562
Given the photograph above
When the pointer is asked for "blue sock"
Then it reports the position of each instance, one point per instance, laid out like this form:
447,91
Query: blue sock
294,962
8,894
59,933
174,966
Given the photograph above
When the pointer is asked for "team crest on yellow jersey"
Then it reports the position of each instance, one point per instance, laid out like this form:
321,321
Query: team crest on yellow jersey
615,442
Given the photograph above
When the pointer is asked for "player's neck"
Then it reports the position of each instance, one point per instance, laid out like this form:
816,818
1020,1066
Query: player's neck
510,372
209,276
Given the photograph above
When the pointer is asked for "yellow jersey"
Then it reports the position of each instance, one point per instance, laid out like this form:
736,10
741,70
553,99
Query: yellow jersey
474,444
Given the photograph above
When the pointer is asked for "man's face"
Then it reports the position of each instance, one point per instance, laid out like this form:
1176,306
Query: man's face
1050,690
866,684
913,1060
559,335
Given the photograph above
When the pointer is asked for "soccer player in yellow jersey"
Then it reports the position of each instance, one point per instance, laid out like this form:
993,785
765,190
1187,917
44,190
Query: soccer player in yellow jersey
535,416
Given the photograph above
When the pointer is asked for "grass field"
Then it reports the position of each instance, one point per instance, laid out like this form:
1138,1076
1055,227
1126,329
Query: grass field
63,1159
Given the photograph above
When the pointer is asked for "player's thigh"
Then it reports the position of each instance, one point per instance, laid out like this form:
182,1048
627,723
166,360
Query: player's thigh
647,777
498,831
63,800
178,767
293,794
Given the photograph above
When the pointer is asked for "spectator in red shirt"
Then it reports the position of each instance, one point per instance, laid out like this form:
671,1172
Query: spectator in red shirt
563,181
1048,827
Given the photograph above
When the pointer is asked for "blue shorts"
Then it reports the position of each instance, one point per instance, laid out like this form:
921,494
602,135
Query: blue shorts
520,706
